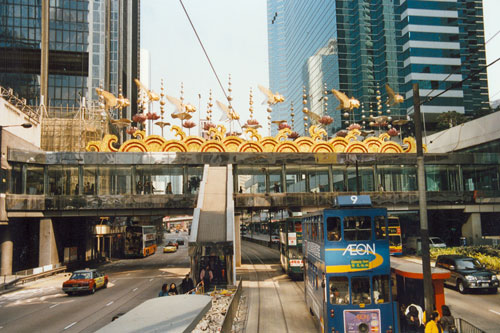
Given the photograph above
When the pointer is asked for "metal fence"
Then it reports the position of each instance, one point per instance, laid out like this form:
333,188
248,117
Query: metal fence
464,326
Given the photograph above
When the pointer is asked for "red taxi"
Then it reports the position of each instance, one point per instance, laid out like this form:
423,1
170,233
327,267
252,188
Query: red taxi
87,280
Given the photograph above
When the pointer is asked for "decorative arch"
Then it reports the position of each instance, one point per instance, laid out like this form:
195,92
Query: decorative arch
304,144
356,147
390,147
232,143
174,146
154,142
269,143
339,144
286,147
250,147
212,146
322,147
134,145
373,144
193,143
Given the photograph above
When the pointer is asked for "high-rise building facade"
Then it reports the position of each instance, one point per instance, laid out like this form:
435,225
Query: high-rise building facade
444,52
315,46
359,46
92,43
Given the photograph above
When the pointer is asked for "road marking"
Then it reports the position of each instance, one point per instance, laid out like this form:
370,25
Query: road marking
498,313
53,306
135,289
128,274
151,280
70,325
113,281
110,303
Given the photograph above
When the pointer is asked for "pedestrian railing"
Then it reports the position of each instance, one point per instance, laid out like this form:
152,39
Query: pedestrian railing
463,326
22,277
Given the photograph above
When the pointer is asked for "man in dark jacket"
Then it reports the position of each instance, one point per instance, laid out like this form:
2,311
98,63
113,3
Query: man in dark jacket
187,284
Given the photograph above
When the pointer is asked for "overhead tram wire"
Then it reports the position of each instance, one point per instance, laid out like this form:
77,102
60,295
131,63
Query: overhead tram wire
206,55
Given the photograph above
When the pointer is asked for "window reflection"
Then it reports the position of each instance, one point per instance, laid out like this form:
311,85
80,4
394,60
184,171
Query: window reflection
34,179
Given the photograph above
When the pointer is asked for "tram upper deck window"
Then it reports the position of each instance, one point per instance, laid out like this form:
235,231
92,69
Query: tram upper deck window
339,290
360,288
333,228
357,228
381,289
380,227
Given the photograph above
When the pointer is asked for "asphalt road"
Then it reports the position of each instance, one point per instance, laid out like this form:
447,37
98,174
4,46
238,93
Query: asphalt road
479,308
43,307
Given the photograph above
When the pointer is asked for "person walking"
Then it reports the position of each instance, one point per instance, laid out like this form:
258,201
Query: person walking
206,275
414,318
163,291
187,284
432,325
172,290
447,321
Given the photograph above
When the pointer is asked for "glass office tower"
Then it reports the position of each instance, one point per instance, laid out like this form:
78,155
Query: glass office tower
443,44
346,45
358,46
92,43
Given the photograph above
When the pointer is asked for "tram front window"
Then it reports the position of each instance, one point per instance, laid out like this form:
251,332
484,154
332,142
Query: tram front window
380,227
360,287
339,290
381,289
333,229
357,228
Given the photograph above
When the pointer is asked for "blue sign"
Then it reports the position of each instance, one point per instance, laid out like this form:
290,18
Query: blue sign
353,200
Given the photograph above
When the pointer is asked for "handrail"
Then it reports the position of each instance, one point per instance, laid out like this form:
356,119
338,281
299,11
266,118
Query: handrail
24,279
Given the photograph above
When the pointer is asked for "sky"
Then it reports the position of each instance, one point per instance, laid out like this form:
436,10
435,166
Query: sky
234,34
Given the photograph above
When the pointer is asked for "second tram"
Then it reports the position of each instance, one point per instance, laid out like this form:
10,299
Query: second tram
395,244
291,257
347,267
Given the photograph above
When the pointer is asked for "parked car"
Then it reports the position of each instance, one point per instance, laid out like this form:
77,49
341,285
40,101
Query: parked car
180,241
467,273
414,244
88,280
173,242
275,239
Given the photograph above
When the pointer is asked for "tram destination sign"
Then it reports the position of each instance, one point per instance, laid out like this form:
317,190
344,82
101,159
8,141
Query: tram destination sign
353,201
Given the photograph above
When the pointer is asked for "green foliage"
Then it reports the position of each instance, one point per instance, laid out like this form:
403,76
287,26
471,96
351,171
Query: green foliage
450,119
487,255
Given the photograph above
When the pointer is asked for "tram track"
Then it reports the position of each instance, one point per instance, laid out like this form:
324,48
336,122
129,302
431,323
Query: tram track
278,305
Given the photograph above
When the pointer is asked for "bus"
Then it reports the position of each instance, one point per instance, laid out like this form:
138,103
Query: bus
347,267
291,257
395,244
140,240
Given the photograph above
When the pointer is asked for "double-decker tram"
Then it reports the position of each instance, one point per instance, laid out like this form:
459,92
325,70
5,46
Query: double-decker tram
140,240
291,257
395,244
347,267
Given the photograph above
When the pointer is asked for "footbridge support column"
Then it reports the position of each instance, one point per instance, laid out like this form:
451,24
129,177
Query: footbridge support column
7,248
237,239
48,247
472,229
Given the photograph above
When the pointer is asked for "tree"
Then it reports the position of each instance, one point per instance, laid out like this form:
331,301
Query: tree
450,119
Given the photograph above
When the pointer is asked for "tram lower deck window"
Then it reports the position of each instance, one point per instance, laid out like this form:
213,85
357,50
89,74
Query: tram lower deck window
339,290
360,290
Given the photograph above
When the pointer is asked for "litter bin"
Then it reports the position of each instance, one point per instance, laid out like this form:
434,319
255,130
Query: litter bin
463,241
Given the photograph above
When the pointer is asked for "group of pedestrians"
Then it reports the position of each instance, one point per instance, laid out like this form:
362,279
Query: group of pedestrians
415,320
186,287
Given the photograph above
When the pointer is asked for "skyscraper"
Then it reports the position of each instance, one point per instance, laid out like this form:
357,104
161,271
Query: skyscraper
443,44
359,46
346,45
92,43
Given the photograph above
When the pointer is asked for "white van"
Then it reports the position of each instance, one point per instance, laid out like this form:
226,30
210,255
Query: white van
414,244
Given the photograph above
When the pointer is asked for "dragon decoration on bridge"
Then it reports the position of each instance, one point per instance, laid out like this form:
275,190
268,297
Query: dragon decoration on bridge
353,140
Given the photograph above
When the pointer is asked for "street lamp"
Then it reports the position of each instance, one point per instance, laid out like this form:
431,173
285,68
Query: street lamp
2,170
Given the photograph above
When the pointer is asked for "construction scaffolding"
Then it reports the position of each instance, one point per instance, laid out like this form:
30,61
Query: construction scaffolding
70,128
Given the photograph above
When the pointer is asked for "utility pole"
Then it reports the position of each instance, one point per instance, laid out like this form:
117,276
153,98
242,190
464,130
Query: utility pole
424,229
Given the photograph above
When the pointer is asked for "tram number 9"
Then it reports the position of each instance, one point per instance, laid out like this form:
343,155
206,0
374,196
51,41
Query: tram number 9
354,199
